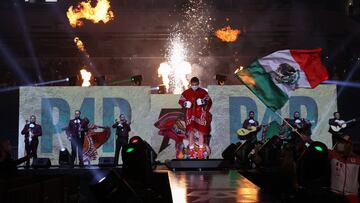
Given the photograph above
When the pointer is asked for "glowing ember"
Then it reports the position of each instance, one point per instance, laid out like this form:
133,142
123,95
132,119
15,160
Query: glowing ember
86,76
174,71
101,12
227,34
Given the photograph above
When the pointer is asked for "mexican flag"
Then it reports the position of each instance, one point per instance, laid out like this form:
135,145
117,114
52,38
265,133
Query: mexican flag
274,77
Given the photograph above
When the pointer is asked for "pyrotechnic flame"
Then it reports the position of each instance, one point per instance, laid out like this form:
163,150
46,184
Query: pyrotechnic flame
86,76
227,34
164,72
174,76
245,77
101,12
79,44
174,71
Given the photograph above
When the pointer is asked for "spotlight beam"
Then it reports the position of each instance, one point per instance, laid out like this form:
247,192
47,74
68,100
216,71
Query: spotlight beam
8,89
343,83
28,41
11,61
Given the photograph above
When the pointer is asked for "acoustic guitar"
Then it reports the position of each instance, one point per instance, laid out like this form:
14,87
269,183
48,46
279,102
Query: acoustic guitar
341,124
241,132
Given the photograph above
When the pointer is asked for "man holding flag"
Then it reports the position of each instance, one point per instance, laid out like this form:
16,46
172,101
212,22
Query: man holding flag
274,77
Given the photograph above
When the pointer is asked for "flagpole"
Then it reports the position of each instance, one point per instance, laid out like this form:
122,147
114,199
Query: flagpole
292,128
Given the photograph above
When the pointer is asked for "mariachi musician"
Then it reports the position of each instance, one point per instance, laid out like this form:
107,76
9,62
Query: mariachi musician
77,128
253,126
300,127
122,133
337,127
31,131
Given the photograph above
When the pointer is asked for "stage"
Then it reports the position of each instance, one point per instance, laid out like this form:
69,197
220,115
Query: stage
173,186
226,186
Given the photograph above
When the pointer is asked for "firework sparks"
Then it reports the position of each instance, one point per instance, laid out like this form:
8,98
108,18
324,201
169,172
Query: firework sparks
101,12
174,71
189,37
227,34
197,25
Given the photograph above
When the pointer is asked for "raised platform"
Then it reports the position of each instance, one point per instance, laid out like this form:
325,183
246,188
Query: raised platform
226,186
198,164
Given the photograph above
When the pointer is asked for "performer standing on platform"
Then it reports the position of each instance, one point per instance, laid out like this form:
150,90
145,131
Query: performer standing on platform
302,126
338,127
77,128
249,124
122,133
31,131
197,103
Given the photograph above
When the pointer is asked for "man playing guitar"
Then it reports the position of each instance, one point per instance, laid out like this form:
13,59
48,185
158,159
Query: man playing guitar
253,126
337,127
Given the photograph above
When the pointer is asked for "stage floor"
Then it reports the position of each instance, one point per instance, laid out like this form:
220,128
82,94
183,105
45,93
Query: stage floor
214,186
223,186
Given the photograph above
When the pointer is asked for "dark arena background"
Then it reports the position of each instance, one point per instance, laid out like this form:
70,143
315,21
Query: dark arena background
136,57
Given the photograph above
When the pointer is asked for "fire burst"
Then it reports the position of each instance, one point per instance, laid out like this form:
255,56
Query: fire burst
227,34
174,71
80,45
101,12
86,76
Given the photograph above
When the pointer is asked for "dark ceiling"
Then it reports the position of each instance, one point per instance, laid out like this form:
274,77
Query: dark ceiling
37,36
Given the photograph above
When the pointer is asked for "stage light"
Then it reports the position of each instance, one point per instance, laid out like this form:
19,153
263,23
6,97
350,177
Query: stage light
221,79
314,166
318,148
229,152
135,139
100,80
138,159
101,179
242,152
137,79
41,163
51,82
114,188
162,89
73,80
130,150
64,158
